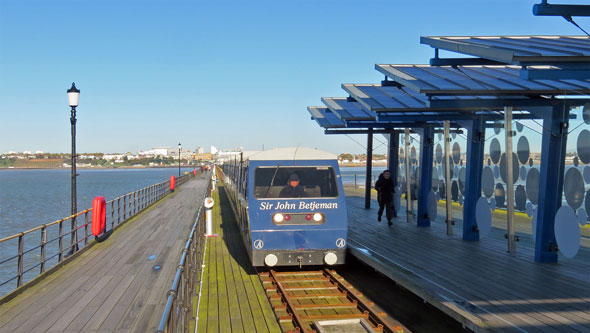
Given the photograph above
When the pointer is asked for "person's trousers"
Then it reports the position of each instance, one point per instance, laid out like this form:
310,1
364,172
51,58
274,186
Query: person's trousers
388,206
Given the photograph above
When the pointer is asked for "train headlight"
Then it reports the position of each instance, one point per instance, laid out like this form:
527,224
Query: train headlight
330,258
318,217
271,260
278,218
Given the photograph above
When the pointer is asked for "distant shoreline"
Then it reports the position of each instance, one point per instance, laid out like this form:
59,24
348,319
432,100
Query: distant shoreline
102,168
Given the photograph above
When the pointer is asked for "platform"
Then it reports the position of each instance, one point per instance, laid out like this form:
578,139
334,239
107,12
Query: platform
232,296
478,283
117,285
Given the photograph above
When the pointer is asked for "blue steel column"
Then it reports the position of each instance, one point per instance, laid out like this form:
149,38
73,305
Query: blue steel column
426,159
474,168
393,156
555,125
369,169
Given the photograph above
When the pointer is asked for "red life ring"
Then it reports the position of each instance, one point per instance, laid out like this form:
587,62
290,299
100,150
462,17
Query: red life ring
99,216
172,183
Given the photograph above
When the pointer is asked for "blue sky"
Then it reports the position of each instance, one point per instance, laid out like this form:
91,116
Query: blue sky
223,73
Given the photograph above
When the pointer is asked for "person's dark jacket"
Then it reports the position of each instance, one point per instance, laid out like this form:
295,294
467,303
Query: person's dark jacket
292,192
385,189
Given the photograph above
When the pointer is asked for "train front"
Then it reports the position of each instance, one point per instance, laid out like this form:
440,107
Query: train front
297,213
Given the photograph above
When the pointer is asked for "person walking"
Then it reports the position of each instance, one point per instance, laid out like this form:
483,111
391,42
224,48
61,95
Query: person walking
385,192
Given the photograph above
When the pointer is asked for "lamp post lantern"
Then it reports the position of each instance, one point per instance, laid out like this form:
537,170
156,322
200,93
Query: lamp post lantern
73,96
179,147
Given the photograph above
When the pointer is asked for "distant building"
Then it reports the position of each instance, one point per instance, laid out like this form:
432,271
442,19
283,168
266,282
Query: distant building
213,150
158,151
200,150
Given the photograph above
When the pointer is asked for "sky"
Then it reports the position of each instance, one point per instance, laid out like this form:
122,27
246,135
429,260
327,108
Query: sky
222,73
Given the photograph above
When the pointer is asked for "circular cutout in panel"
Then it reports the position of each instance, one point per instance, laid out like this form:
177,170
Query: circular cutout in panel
567,231
402,156
499,195
439,136
456,153
496,172
519,127
497,127
453,135
441,190
487,182
576,161
529,209
462,175
520,198
522,172
582,216
439,153
573,188
493,204
586,113
587,174
503,163
583,146
413,155
431,206
495,151
483,216
587,201
523,150
454,191
532,185
531,162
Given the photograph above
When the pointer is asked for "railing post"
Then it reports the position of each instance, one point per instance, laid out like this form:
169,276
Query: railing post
86,228
112,214
21,245
118,210
124,207
43,242
60,253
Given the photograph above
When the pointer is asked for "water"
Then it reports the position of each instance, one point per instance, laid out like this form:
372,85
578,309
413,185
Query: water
30,198
348,173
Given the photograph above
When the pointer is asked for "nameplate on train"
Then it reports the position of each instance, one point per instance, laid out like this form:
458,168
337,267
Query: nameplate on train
309,206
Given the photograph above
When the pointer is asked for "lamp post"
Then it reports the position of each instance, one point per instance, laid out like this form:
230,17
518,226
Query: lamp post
73,96
179,147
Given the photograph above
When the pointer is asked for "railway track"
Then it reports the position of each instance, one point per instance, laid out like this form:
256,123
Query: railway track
322,301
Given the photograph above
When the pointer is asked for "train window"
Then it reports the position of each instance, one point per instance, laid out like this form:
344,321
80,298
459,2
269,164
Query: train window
311,182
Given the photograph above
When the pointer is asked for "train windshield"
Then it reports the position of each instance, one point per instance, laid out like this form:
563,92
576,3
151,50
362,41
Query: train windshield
295,182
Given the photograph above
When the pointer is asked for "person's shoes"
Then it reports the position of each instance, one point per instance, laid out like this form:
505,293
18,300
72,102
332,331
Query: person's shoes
379,218
389,223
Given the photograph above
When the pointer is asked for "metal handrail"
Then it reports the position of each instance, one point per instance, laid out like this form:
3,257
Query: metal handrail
179,296
132,204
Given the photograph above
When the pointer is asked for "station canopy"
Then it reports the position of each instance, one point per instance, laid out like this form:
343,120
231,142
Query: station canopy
466,88
559,56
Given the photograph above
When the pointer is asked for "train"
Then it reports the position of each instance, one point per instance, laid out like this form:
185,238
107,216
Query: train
290,206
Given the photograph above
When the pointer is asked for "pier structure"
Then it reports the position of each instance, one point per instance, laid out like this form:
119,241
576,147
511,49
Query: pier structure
117,284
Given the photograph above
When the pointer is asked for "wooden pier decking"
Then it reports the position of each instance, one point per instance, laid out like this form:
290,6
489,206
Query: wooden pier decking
232,296
478,283
114,285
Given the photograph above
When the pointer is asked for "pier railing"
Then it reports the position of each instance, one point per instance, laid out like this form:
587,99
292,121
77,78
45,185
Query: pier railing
176,316
53,243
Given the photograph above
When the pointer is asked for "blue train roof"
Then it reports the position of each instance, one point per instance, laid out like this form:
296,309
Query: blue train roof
291,153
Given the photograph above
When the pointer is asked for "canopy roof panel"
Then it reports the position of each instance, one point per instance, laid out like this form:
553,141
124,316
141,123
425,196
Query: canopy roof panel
324,117
478,80
347,110
516,50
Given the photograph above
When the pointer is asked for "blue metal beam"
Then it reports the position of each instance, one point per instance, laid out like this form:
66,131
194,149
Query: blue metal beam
545,9
426,160
369,166
475,149
551,182
554,74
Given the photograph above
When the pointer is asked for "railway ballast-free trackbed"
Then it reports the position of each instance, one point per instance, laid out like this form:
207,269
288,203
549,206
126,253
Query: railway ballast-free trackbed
321,300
